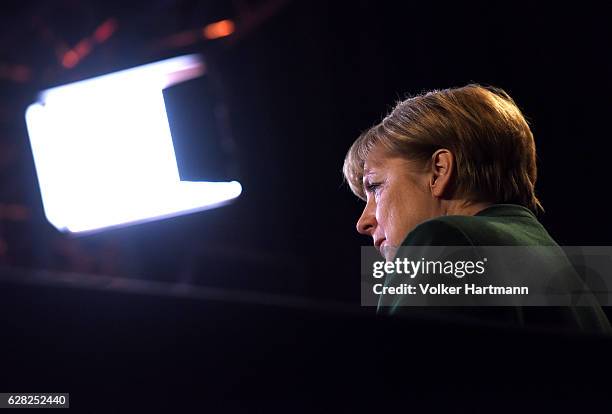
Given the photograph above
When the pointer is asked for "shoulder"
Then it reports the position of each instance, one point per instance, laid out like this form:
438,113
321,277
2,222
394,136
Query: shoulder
480,231
441,231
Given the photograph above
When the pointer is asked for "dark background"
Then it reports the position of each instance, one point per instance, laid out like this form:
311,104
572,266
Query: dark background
283,99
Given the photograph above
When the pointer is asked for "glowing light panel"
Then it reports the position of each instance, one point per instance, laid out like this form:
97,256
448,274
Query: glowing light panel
104,155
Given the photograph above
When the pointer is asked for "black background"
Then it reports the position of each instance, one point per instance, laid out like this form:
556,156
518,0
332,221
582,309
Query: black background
297,90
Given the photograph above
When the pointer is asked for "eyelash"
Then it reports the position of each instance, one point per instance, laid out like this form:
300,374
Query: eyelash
372,187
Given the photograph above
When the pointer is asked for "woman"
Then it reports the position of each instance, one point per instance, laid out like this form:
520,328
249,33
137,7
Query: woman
455,167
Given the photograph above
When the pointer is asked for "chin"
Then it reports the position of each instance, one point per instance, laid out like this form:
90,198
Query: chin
388,252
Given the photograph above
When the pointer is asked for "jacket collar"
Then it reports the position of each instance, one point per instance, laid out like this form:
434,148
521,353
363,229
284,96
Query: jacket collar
506,210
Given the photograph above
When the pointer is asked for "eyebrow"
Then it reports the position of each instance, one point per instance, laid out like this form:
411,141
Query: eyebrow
367,172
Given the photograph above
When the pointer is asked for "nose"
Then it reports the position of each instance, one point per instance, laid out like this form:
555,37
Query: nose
367,222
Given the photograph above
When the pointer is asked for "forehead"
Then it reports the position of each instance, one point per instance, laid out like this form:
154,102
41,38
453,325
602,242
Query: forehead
377,158
382,162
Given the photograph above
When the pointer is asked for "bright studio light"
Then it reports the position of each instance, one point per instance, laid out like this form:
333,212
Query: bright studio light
104,154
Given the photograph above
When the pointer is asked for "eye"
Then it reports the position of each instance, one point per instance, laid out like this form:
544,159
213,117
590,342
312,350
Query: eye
372,187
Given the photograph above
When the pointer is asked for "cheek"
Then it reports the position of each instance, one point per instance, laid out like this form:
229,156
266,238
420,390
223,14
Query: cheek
398,219
389,219
396,229
382,214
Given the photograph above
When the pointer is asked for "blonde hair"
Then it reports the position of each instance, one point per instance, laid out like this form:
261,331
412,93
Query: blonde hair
495,156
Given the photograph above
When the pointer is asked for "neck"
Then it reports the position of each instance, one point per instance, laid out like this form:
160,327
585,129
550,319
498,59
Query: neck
465,208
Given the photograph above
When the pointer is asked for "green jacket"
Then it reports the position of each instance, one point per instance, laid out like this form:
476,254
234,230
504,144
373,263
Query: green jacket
498,225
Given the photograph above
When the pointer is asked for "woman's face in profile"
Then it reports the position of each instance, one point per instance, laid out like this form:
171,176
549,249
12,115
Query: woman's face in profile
398,199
